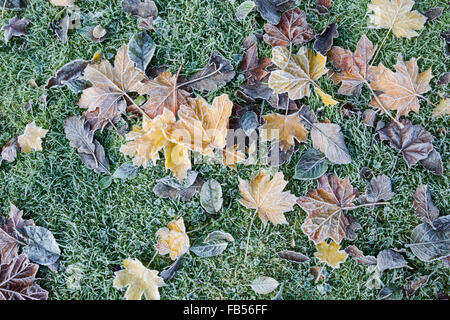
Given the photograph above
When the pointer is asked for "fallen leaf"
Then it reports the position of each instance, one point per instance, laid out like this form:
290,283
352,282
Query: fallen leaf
370,116
328,138
284,129
431,242
390,293
141,49
390,259
209,250
444,79
396,15
167,190
177,159
89,149
173,240
402,89
379,189
292,256
218,235
415,285
146,24
278,156
255,69
202,127
126,171
433,13
264,285
211,196
311,165
330,254
168,273
269,9
61,28
316,273
70,72
359,256
217,73
292,29
163,92
423,205
442,109
42,247
139,280
13,4
412,141
355,69
325,207
9,247
322,7
324,41
31,139
433,163
249,122
97,34
15,224
267,197
279,295
62,3
15,28
9,150
17,280
143,9
244,9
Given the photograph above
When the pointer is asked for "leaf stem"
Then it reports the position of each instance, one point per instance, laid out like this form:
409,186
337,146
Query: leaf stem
381,45
153,258
248,235
364,205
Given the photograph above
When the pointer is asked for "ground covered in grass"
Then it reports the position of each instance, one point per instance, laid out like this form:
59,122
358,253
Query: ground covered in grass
99,228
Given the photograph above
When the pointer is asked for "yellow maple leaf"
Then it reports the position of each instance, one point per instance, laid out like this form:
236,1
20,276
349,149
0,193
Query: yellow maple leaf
267,197
202,128
177,159
139,280
330,254
397,16
173,240
31,139
442,109
284,128
298,72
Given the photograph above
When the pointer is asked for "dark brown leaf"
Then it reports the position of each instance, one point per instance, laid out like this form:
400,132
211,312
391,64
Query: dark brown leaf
255,69
433,13
324,41
9,247
292,256
423,205
322,7
292,29
15,224
71,71
15,28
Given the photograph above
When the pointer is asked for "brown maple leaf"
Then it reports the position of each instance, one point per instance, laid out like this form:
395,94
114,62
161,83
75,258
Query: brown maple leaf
401,89
292,29
354,67
104,101
163,92
325,207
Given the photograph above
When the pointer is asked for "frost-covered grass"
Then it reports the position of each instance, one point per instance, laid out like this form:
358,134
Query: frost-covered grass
98,228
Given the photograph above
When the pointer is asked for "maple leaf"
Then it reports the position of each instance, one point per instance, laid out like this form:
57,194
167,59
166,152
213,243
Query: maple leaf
17,280
267,197
15,224
284,128
173,240
330,254
9,247
292,29
401,89
202,127
163,93
31,139
396,15
110,84
139,280
354,67
297,72
15,28
414,142
325,208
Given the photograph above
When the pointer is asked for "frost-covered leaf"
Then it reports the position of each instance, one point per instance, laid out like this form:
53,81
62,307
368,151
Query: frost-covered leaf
264,285
423,205
324,41
442,109
42,247
311,165
9,150
218,235
141,49
173,240
126,171
15,28
211,196
31,139
169,272
68,73
359,256
292,256
141,8
379,189
390,259
244,9
14,4
209,250
330,254
328,138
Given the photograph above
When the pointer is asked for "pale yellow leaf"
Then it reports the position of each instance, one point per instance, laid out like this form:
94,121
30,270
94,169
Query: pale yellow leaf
442,109
177,159
330,254
173,240
232,156
31,139
139,280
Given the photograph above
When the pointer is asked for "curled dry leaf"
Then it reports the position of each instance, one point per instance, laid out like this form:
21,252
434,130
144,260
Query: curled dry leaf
202,127
266,196
89,149
402,89
31,139
139,280
140,8
17,280
423,205
412,141
355,69
15,28
325,207
173,240
269,9
284,129
264,285
396,15
324,41
359,256
330,254
169,272
292,29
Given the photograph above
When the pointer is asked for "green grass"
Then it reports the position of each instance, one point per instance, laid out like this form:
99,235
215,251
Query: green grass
98,228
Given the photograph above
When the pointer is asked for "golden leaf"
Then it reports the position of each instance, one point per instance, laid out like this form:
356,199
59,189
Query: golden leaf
330,254
297,72
232,156
173,239
163,94
325,97
201,127
267,197
401,89
139,280
284,128
442,109
31,139
177,159
396,15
